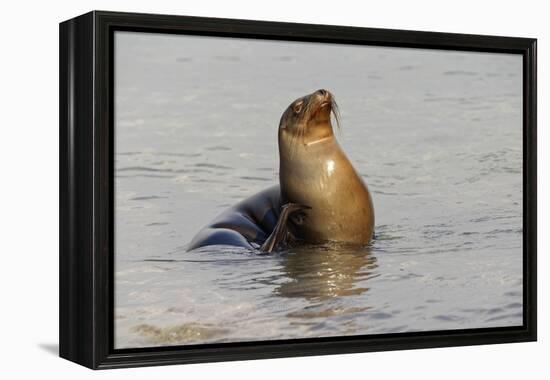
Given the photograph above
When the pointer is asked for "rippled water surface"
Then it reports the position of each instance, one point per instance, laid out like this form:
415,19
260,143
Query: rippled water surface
435,134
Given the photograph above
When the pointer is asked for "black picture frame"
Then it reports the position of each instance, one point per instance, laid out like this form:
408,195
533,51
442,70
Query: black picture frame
86,189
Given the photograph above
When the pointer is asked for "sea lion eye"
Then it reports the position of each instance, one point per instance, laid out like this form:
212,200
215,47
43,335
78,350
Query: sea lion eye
297,108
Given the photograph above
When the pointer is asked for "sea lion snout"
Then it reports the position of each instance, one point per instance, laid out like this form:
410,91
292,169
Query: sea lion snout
323,92
321,105
324,96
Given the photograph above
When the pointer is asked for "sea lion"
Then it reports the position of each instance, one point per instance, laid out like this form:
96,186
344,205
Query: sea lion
320,197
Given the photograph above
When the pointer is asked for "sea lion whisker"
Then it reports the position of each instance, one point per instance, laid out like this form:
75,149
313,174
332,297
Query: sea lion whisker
336,112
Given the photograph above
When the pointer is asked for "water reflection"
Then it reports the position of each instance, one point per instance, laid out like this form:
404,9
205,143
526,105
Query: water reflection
318,273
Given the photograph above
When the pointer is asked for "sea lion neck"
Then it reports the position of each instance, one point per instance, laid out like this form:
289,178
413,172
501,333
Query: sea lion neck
305,146
317,130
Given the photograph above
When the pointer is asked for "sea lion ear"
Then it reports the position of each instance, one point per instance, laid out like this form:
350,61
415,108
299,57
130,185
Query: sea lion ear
297,107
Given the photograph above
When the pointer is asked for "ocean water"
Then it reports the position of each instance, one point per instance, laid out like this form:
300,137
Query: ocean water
437,136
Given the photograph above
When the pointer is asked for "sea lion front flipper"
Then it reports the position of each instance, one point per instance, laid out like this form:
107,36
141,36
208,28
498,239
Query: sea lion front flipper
280,233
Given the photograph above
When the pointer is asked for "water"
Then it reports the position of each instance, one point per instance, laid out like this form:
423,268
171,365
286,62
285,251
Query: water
435,134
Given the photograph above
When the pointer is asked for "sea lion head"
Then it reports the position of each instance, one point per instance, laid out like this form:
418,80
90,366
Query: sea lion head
308,119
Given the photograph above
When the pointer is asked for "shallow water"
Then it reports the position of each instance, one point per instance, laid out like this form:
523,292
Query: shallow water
435,134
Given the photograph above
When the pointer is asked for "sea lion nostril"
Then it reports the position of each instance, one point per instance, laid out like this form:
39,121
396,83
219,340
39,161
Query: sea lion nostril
322,91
